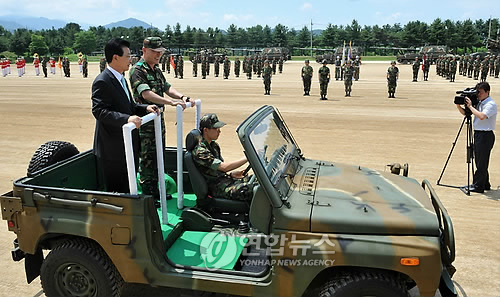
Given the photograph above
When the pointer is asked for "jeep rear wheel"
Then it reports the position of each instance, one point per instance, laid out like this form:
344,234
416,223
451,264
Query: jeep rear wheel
79,268
363,284
50,153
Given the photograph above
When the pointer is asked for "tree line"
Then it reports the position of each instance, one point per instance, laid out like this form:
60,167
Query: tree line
464,35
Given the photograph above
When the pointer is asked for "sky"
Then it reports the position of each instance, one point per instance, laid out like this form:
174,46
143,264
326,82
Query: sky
223,13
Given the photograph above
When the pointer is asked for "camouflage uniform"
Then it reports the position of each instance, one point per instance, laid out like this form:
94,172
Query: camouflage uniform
249,69
195,68
260,66
477,67
85,68
255,64
216,67
492,66
497,66
274,65
163,61
245,64
307,73
392,78
237,67
280,68
180,66
266,76
324,79
102,64
357,64
176,70
143,78
204,67
427,67
168,63
348,74
227,68
338,65
484,69
470,67
453,69
415,67
208,157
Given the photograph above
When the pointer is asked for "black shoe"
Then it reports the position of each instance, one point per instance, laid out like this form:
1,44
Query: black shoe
305,94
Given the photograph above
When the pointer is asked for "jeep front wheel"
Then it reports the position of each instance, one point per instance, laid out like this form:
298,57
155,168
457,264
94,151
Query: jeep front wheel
362,284
79,268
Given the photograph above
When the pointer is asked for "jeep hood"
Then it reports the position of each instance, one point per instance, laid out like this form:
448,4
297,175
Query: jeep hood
351,199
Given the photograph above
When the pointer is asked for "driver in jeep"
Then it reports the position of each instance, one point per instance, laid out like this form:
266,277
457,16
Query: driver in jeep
223,179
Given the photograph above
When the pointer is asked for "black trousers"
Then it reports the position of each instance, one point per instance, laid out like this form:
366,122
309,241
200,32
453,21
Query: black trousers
483,143
115,174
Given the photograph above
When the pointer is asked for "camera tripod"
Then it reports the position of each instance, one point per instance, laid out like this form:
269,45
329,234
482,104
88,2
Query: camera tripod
469,152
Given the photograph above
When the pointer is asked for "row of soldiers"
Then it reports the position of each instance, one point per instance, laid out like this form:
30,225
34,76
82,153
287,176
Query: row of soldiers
348,71
446,66
339,68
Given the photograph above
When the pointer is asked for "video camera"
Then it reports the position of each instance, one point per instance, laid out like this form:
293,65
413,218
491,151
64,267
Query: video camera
470,93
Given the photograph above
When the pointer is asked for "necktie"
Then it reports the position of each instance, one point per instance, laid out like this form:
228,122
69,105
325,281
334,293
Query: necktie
124,85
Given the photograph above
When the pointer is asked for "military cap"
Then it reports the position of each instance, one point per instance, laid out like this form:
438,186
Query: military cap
153,43
306,61
393,62
210,121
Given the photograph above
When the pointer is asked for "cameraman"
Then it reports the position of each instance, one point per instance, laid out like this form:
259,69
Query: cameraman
485,114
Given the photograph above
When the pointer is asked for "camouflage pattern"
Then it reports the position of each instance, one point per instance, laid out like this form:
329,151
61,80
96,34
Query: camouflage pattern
102,64
392,77
497,66
324,79
356,65
204,68
477,68
280,64
415,68
216,67
338,66
307,73
227,68
249,68
452,69
85,68
348,75
207,157
275,61
195,68
237,64
470,68
484,69
492,65
180,67
352,216
143,78
266,77
427,67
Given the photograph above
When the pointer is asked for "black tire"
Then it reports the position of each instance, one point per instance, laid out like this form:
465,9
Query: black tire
79,267
50,153
360,284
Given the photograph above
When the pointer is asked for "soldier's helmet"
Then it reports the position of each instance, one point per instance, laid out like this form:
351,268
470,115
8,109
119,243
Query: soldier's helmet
393,62
210,121
306,61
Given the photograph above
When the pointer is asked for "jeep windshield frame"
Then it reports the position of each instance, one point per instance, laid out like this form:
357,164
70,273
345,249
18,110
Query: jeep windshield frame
271,150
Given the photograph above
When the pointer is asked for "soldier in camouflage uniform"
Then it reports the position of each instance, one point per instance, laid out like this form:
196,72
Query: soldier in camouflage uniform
216,67
245,64
180,66
237,67
356,65
307,74
274,65
485,69
492,65
249,68
195,67
324,79
453,69
168,63
255,64
392,78
266,76
477,68
497,66
338,66
470,69
227,67
163,61
260,65
348,75
280,65
415,67
223,180
208,67
148,87
427,67
204,67
176,70
102,64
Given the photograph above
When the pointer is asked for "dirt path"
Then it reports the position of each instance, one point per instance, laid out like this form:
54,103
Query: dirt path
369,129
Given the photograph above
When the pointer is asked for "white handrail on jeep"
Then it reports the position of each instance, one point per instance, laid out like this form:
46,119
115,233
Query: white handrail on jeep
180,153
129,155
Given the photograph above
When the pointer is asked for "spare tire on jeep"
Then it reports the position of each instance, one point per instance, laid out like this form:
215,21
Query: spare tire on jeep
50,153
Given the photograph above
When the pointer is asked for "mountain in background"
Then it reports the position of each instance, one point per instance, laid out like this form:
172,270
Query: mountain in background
128,23
317,32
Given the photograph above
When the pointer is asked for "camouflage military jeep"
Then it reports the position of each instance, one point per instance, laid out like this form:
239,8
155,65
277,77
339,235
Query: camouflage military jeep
313,228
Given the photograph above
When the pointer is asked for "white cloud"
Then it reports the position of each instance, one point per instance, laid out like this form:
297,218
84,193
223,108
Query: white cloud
306,6
230,17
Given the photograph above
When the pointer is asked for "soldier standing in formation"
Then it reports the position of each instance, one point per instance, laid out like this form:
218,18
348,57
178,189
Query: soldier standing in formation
453,69
208,67
427,67
497,66
260,65
203,67
266,76
307,74
195,67
492,65
392,78
274,65
102,64
485,69
470,69
163,61
249,68
324,79
85,67
237,67
348,74
44,66
357,64
227,67
52,63
280,65
477,68
245,64
180,65
176,70
168,60
338,65
255,63
216,67
36,62
416,66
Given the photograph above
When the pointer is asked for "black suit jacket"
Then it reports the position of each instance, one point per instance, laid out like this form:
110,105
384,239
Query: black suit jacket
112,108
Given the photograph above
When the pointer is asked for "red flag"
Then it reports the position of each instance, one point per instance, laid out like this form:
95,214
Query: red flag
59,63
172,62
423,63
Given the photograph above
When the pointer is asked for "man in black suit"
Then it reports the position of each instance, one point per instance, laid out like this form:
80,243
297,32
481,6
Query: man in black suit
113,106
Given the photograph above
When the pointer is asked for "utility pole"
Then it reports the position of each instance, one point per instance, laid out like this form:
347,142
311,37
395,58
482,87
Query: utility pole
489,30
312,37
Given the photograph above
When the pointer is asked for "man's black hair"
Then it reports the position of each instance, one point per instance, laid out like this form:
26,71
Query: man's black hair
483,86
115,47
